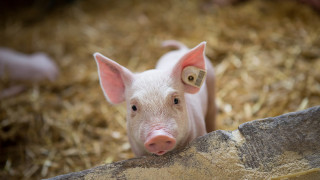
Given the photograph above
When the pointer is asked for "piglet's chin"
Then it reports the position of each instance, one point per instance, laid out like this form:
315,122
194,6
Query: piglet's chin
159,142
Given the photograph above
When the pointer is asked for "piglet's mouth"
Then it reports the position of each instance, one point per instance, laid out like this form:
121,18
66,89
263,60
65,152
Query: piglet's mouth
161,153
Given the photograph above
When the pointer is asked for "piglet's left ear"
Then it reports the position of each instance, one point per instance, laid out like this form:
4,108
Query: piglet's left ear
191,69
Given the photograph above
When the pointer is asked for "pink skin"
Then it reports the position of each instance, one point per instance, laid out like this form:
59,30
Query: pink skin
24,68
163,113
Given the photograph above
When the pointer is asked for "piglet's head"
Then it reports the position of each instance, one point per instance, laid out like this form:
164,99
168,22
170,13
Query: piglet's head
157,119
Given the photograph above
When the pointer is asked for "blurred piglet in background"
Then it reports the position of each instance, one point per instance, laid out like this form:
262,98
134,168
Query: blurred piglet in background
21,68
167,107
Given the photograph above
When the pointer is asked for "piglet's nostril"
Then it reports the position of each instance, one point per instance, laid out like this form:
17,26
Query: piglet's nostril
169,142
152,144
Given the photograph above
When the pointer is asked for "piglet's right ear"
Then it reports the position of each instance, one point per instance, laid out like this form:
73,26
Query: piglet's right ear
113,78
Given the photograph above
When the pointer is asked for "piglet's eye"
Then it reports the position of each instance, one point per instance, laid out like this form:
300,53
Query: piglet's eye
134,108
176,101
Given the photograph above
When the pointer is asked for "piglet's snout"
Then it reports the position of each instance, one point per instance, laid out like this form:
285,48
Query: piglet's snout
159,142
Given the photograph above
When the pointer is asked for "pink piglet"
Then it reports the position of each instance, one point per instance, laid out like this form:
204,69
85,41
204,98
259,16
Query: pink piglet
167,107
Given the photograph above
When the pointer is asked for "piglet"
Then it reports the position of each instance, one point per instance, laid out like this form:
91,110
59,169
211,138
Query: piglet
167,107
20,68
23,67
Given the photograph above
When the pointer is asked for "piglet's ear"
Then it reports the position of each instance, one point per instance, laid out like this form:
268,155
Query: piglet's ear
113,78
193,64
